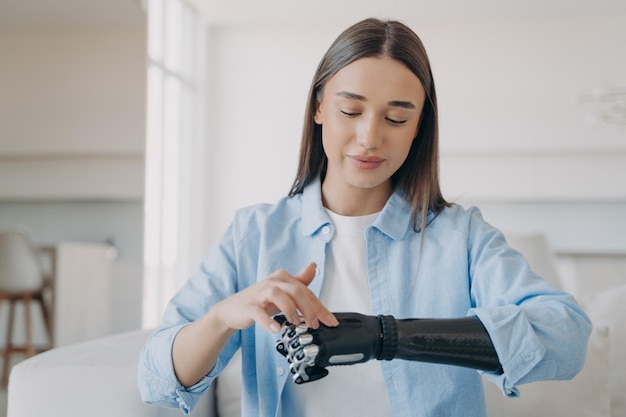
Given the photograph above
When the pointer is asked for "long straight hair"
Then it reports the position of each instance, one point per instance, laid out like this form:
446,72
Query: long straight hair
418,176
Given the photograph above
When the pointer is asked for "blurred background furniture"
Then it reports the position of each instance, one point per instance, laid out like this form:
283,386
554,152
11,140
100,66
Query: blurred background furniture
51,296
96,378
22,280
82,307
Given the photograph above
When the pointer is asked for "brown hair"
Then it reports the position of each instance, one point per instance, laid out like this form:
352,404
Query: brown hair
419,174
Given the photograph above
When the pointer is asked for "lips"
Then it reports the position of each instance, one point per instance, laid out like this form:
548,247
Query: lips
366,161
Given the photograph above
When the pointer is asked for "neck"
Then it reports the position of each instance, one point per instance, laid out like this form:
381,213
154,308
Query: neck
354,201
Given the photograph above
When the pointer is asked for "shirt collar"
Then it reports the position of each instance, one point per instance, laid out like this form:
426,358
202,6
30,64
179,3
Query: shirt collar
313,214
394,220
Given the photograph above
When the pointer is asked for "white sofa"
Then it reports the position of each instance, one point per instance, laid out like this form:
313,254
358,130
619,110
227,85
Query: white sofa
97,378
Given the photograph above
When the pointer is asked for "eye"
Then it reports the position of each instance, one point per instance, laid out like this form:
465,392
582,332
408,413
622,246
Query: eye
395,121
349,113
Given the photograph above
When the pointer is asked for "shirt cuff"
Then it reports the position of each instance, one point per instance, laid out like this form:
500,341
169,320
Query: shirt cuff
517,345
161,375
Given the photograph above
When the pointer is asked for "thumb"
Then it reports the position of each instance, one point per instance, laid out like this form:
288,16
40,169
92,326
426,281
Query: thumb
307,274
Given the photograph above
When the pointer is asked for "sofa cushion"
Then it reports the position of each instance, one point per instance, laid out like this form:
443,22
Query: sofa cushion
228,389
97,378
608,308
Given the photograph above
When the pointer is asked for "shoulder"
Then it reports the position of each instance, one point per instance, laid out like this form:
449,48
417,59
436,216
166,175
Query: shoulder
459,218
286,206
261,216
467,225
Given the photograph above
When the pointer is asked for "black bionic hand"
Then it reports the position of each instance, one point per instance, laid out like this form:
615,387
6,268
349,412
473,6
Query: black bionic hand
360,338
357,338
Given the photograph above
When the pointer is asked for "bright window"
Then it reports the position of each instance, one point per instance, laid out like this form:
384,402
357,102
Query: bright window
171,147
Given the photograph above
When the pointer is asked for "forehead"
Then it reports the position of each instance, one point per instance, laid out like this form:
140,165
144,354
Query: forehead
375,77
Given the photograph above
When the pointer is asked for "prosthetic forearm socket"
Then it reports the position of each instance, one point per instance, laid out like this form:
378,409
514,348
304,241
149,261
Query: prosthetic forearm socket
360,338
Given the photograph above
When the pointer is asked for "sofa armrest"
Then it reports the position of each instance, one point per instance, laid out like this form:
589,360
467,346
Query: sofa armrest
95,378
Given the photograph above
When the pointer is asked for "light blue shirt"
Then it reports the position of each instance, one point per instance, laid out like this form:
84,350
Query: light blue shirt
465,268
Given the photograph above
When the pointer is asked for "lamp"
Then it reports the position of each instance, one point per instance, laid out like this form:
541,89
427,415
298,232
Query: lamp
612,104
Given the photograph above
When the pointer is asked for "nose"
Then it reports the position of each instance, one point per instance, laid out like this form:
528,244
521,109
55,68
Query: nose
370,135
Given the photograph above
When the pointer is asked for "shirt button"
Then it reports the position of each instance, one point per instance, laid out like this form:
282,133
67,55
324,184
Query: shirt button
280,371
326,230
530,356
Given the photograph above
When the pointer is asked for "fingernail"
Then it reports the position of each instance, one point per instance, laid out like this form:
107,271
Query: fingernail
315,324
274,327
332,319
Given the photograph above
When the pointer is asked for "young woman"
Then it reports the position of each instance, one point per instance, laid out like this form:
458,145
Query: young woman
366,230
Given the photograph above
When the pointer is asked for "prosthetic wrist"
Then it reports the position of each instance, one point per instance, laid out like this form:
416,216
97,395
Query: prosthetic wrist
360,338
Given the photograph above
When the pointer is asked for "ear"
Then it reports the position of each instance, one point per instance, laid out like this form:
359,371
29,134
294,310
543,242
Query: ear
318,114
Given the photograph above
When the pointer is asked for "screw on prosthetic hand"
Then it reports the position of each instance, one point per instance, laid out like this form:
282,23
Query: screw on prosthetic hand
309,351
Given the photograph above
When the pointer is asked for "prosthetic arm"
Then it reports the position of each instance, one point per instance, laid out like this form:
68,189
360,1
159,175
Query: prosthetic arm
360,338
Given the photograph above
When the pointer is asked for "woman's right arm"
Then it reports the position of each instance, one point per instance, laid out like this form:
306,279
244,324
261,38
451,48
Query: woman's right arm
198,345
194,353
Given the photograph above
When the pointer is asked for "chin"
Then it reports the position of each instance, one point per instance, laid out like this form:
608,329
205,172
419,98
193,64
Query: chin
367,184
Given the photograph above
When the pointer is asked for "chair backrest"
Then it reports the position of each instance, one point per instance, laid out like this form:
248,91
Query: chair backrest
20,267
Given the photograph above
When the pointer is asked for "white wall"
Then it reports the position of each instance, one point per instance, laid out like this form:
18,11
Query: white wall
72,113
72,134
72,91
514,137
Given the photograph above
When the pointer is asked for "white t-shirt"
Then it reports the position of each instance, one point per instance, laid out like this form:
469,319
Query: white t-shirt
355,390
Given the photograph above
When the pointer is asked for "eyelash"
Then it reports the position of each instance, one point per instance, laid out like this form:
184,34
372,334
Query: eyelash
396,122
392,121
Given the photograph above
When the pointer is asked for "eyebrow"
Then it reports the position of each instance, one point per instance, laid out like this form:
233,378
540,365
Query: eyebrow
393,103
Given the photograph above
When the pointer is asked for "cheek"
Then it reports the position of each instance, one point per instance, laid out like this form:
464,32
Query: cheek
402,148
328,144
335,134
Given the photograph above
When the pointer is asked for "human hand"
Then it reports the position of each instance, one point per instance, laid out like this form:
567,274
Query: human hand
279,292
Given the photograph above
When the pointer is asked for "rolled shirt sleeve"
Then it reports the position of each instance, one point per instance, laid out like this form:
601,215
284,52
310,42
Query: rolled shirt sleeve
157,381
539,333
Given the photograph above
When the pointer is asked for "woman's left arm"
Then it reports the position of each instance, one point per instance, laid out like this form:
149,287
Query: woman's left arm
539,332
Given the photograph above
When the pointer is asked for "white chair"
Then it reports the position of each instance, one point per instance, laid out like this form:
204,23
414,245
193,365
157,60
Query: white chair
21,280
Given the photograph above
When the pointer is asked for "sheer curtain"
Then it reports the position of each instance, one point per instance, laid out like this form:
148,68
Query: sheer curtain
173,177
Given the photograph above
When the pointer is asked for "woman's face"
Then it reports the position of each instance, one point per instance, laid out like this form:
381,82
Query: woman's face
369,113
